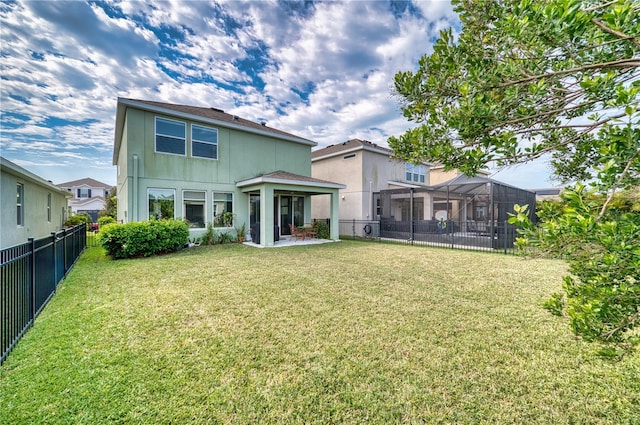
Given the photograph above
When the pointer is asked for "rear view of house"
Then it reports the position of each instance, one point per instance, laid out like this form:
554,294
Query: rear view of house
88,196
208,167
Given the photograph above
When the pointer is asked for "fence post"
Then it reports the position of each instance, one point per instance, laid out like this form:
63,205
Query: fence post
450,226
55,259
32,279
353,229
505,236
64,249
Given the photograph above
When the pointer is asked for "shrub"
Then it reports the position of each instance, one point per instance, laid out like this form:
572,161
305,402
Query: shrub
74,220
322,229
144,238
601,294
209,237
104,220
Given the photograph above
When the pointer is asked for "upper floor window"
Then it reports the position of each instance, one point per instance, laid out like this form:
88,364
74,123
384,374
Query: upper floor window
84,192
415,173
20,204
49,207
170,136
204,142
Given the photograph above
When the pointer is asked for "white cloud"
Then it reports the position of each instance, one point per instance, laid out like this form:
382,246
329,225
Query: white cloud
321,70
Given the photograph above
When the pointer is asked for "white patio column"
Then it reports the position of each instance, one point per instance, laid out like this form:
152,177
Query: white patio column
335,216
266,215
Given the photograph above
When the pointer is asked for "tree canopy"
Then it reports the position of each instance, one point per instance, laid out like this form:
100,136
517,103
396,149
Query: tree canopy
529,78
526,78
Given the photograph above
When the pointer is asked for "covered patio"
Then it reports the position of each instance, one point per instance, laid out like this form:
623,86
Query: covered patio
280,199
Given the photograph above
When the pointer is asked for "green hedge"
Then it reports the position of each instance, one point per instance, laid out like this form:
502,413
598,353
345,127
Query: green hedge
144,238
322,229
106,219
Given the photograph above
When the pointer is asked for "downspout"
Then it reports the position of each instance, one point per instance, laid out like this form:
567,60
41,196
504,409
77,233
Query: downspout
135,203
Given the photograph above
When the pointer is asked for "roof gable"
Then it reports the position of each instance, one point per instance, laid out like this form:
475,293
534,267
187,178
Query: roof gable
89,182
349,146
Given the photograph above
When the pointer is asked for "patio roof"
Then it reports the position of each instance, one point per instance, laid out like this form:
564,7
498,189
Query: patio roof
290,179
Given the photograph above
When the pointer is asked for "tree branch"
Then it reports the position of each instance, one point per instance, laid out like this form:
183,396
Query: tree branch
616,184
559,127
618,34
600,6
627,62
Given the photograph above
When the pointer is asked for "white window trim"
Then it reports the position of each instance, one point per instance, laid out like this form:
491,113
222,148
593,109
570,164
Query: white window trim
155,133
204,141
20,204
204,201
175,200
213,201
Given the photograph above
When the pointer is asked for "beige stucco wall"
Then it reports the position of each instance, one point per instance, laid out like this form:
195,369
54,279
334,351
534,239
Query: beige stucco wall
438,175
368,172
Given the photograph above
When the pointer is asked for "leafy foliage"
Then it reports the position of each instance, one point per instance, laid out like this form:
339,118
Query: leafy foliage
558,78
111,205
528,78
105,219
322,229
74,220
144,238
602,293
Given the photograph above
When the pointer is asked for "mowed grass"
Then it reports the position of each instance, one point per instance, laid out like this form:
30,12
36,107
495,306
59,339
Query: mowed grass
347,332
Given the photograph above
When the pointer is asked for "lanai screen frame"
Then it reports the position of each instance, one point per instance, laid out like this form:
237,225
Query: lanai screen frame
474,205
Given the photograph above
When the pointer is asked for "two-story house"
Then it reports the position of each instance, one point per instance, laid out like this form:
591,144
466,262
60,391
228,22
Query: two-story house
206,166
88,196
31,206
365,169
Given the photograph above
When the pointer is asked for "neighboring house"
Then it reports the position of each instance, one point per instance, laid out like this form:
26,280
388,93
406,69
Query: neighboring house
31,207
209,167
438,175
366,169
88,196
550,193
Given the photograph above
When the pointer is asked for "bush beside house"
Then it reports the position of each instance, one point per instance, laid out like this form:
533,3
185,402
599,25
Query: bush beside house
144,238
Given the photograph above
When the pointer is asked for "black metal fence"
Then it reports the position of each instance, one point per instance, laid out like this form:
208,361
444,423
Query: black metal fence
30,273
470,235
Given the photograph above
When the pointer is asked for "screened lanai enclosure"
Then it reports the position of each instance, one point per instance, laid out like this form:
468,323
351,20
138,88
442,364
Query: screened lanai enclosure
466,212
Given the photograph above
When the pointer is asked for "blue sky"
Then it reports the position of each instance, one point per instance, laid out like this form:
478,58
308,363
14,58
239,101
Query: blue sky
320,70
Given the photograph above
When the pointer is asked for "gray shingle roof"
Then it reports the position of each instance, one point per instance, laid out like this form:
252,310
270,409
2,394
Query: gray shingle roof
351,144
218,115
87,181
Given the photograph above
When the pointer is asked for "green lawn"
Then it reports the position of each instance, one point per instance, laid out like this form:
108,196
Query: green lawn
347,332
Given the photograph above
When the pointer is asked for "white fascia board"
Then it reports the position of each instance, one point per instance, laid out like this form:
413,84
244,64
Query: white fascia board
355,149
402,184
262,180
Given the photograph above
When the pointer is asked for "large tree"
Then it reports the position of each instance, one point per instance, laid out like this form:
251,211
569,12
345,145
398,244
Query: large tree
526,78
557,78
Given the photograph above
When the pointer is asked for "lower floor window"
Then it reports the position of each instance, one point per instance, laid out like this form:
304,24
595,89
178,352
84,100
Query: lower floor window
194,208
222,209
161,203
